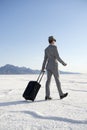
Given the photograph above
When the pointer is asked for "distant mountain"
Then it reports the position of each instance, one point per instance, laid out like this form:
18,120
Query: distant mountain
11,69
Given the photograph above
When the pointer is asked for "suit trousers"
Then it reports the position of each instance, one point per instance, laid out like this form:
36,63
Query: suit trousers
56,76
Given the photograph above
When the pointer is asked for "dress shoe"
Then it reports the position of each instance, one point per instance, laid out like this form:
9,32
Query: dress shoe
64,95
48,98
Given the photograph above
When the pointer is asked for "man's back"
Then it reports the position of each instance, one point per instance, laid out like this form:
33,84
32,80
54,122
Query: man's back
50,53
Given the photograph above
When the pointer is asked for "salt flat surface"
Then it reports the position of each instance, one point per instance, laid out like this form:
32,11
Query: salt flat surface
67,114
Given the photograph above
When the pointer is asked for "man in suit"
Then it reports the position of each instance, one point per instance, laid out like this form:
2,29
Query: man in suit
50,63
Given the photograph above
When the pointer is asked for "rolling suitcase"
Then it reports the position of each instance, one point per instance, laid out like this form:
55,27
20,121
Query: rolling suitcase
33,88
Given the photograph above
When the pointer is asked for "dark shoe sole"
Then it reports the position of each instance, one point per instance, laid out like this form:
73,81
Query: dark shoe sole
65,95
48,98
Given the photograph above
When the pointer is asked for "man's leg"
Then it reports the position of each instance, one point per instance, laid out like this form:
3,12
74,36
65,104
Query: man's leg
56,76
49,75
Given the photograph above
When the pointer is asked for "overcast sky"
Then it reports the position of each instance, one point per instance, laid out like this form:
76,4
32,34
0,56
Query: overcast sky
26,24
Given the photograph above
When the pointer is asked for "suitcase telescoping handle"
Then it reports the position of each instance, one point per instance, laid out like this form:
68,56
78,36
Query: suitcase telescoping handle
40,76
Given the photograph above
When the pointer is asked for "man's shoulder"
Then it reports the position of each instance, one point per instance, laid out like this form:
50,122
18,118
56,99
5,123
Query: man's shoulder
46,48
50,46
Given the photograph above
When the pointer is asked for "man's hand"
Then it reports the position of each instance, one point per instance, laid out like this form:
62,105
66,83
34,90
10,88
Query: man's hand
43,71
64,64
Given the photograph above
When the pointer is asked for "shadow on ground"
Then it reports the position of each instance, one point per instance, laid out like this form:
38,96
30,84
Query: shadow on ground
62,119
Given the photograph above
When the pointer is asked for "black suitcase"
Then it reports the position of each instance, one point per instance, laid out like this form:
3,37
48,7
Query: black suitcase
33,88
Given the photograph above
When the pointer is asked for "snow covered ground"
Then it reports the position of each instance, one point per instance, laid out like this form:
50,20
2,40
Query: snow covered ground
67,114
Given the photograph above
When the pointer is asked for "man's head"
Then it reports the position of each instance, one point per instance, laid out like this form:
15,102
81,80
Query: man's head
51,39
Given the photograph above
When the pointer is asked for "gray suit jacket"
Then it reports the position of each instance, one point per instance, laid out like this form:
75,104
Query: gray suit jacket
51,58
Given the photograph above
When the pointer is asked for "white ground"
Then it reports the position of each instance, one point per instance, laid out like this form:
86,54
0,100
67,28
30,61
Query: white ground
67,114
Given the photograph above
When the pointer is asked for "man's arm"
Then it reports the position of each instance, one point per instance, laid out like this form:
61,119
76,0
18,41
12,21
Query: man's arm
58,57
45,61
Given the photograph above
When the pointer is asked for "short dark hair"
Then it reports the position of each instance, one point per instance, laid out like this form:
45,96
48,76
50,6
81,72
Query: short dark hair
50,41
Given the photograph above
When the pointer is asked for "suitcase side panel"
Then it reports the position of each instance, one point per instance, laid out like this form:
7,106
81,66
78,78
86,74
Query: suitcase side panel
31,90
28,89
34,91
